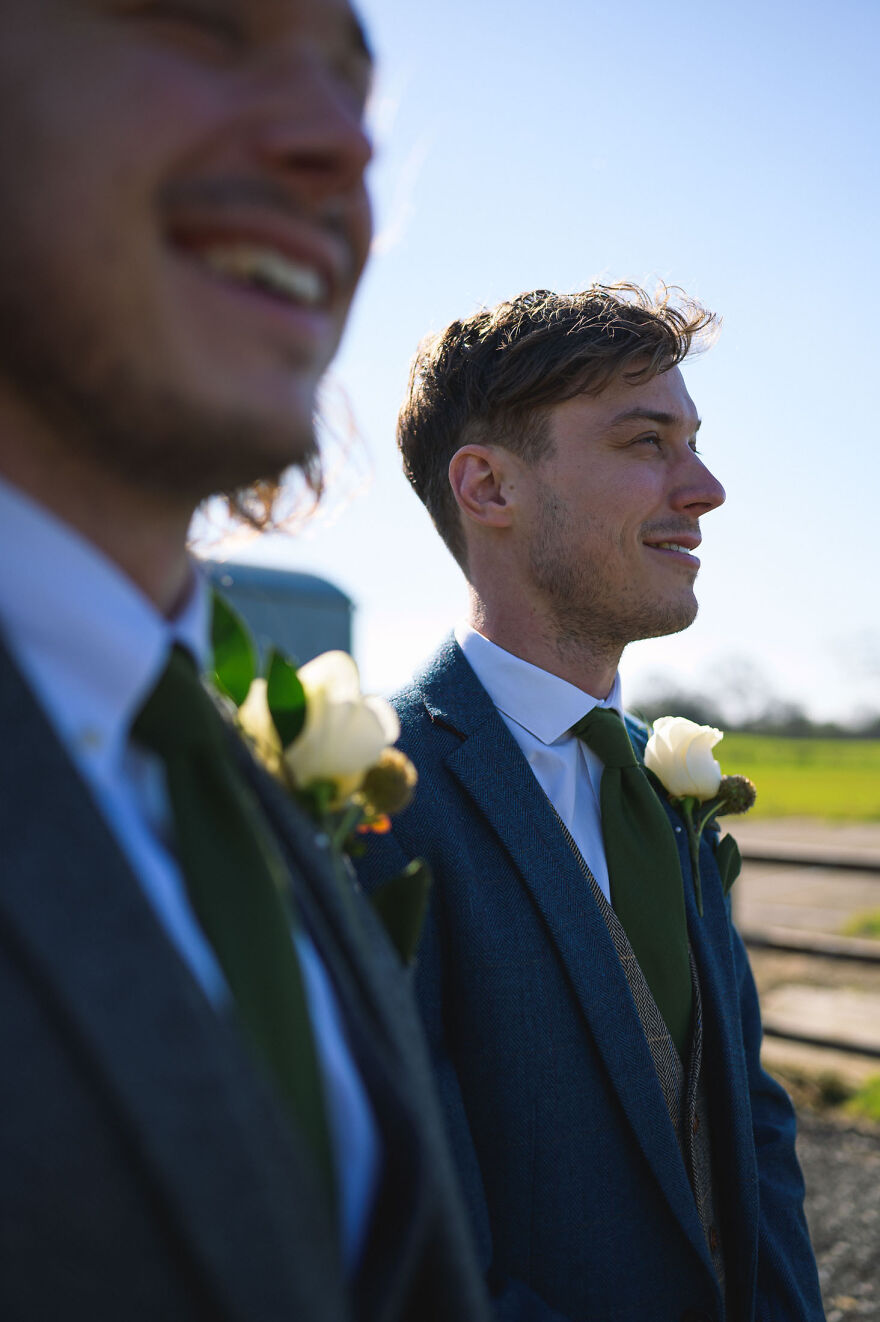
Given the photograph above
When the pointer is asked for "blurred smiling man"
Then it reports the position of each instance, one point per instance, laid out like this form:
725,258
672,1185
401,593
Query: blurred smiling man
214,1099
595,1033
187,227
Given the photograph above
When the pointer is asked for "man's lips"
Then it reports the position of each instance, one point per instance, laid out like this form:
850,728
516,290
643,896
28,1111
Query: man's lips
290,263
676,547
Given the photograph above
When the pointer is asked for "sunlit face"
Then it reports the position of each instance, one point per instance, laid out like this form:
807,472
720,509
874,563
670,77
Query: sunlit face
611,514
184,222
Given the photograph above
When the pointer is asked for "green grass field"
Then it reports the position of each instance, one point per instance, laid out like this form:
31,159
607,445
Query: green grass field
866,923
833,778
866,1102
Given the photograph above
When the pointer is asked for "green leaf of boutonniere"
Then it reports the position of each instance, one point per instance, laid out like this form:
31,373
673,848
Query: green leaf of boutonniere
286,698
234,662
401,902
729,861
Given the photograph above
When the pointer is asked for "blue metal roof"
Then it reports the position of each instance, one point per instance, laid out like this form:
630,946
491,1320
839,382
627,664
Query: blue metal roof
276,582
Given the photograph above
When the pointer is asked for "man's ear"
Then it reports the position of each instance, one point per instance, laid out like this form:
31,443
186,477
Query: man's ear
480,480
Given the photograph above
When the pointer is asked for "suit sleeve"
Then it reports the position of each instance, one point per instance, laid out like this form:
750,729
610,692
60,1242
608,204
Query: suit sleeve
788,1282
512,1299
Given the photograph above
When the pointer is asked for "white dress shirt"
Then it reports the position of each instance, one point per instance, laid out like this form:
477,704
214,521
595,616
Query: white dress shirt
539,710
92,647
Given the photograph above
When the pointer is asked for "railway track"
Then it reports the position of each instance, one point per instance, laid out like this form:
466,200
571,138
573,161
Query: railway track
818,988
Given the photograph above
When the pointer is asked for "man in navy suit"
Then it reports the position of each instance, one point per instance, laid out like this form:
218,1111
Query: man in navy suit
624,1155
194,1123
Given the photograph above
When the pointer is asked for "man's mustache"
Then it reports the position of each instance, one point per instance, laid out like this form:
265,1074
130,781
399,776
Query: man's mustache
669,531
231,192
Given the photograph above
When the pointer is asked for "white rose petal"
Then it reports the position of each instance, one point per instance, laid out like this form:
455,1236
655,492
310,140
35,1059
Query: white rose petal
387,718
344,732
257,724
679,753
332,673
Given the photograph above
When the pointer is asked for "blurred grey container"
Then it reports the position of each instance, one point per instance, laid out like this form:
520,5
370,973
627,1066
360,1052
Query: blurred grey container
299,614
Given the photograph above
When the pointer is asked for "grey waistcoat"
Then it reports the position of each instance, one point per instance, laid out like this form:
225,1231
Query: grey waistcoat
683,1091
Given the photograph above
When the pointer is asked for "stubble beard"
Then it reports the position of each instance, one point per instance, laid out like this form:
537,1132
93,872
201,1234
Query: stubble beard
102,405
590,613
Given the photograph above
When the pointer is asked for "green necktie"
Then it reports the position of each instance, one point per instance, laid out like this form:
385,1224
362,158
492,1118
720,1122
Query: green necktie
643,866
237,883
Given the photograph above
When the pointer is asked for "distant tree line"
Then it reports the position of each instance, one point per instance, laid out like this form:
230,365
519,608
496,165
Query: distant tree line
785,719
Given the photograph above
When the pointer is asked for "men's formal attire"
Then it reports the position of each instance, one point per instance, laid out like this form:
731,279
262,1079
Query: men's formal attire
608,1174
150,1169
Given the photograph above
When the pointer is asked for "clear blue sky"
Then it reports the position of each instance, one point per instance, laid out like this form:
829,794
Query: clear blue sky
729,149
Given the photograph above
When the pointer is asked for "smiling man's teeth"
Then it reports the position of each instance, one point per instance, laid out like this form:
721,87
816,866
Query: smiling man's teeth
268,269
672,546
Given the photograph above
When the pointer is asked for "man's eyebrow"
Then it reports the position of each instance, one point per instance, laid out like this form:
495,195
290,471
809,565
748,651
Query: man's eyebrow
651,415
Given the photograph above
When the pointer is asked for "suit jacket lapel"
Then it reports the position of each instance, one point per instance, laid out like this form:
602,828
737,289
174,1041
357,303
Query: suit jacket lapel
516,809
723,1053
371,988
235,1184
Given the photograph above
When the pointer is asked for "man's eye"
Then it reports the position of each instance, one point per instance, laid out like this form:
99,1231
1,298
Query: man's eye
650,439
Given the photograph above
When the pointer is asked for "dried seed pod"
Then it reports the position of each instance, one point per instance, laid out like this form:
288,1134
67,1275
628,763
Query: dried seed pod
389,785
737,794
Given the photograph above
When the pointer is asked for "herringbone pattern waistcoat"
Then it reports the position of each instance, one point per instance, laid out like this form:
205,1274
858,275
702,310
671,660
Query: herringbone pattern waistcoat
683,1090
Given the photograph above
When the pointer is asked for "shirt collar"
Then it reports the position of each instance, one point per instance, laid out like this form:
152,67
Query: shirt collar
89,641
539,701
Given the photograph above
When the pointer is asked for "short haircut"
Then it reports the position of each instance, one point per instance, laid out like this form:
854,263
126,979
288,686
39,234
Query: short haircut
492,378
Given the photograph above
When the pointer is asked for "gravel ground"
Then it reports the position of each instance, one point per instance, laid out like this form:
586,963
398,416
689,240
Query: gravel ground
842,1170
841,1163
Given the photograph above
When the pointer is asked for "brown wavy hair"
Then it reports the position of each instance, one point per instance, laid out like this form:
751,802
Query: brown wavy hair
492,378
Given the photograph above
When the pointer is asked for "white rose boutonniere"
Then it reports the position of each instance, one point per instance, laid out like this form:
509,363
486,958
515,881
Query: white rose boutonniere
679,755
345,732
342,736
330,746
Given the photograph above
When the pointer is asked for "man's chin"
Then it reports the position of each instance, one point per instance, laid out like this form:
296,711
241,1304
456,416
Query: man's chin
188,452
675,617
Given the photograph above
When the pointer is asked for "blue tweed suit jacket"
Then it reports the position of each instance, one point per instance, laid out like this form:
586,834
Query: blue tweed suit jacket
578,1193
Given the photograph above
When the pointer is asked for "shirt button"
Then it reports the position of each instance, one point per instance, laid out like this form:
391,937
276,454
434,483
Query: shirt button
90,739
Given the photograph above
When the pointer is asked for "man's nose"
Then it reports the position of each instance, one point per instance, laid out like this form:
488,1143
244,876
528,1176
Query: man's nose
698,491
309,126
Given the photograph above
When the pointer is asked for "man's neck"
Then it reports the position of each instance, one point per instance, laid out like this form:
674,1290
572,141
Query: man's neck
144,533
587,663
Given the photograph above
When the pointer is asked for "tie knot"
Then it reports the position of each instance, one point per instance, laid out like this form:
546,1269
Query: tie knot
178,714
604,732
